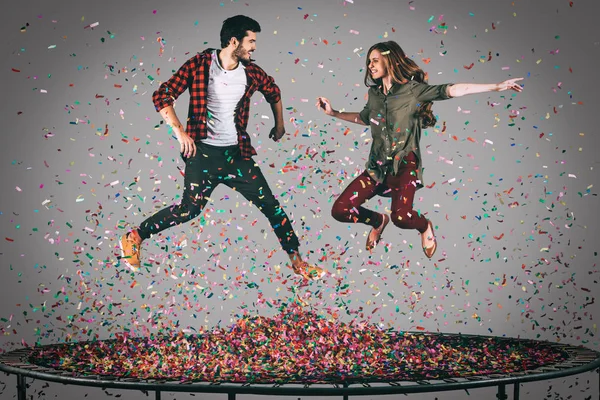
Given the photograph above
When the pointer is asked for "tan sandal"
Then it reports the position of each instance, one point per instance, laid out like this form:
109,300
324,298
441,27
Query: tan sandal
429,251
375,233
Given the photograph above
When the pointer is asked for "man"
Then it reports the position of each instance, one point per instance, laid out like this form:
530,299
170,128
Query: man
215,145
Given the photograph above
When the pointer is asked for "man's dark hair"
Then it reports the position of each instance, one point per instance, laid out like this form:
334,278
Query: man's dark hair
237,27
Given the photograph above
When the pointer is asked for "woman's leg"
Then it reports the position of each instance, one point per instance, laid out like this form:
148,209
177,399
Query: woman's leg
403,187
348,206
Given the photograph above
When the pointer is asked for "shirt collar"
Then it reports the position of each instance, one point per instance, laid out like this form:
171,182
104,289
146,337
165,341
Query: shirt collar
394,89
215,56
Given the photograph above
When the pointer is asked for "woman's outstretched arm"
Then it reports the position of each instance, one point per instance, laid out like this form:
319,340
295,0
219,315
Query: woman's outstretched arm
462,89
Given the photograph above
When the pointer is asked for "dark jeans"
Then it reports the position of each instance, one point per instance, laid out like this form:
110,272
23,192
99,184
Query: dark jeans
210,167
400,187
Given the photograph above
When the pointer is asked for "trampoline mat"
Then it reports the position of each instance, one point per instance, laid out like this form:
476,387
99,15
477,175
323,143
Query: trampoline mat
297,346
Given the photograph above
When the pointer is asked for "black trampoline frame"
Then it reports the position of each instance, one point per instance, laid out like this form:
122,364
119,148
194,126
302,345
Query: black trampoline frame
580,359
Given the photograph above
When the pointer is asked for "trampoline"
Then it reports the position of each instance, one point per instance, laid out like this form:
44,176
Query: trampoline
299,353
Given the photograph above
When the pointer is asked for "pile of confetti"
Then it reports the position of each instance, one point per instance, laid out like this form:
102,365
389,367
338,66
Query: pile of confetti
297,346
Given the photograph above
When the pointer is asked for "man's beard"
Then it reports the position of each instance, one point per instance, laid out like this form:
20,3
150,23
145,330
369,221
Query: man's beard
239,54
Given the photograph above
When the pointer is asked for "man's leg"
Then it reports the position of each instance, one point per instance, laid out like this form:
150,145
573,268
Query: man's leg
198,185
254,187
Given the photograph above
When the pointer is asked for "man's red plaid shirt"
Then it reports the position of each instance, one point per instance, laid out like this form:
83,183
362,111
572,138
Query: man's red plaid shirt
193,75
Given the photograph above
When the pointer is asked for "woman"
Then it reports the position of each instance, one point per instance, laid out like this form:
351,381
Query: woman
398,107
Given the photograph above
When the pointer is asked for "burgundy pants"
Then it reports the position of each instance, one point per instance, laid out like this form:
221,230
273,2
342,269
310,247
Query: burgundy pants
401,188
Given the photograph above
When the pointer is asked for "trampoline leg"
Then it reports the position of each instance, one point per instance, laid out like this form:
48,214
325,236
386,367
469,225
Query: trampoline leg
516,392
230,396
21,387
157,395
501,393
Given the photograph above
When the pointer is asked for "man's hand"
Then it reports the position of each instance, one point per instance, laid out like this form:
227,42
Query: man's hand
187,145
277,132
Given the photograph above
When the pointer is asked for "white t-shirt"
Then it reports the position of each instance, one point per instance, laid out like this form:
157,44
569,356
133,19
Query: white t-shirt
225,89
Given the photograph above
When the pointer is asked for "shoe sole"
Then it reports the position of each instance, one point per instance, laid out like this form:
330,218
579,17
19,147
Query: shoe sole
126,260
319,276
312,277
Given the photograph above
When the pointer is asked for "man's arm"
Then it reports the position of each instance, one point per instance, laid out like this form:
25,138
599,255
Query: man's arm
272,93
279,129
169,91
164,98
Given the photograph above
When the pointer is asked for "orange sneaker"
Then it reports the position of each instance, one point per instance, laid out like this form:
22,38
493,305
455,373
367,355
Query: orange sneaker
131,250
308,271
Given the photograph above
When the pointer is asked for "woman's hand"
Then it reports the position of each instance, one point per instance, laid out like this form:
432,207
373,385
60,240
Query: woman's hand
324,104
510,84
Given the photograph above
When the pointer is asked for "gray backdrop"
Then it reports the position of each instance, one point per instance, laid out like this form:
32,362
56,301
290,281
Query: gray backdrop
512,179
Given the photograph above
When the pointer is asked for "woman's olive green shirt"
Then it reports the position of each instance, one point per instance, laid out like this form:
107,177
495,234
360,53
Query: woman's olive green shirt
396,126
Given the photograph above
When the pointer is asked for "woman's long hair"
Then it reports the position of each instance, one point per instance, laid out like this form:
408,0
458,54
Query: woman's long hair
402,69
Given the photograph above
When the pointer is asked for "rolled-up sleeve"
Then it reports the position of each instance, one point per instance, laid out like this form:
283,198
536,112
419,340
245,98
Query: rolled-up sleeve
169,91
426,92
366,112
267,86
